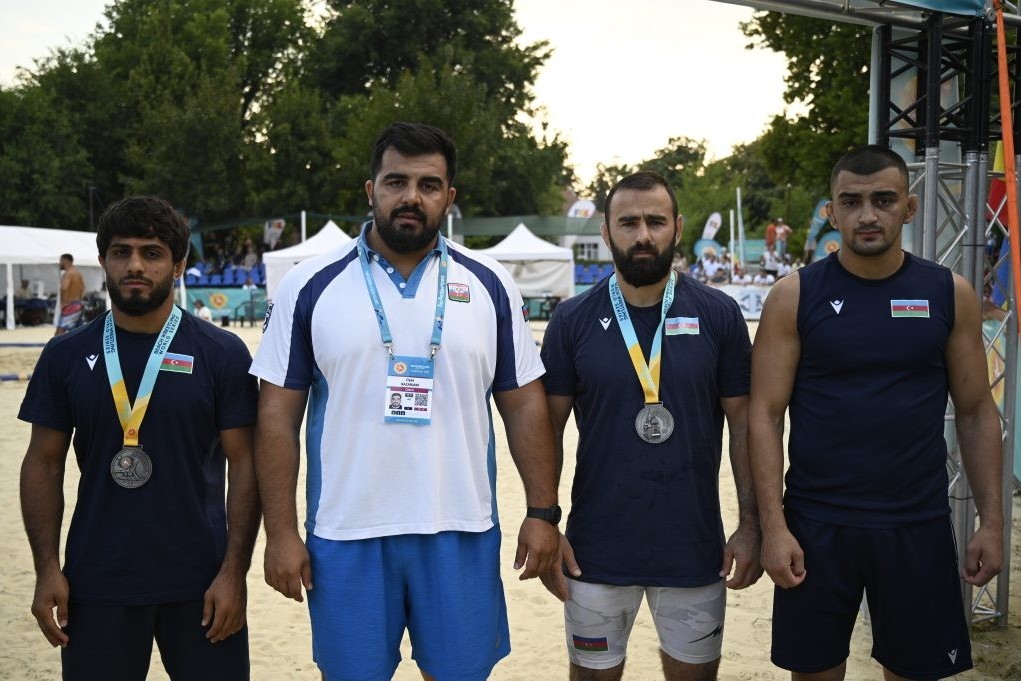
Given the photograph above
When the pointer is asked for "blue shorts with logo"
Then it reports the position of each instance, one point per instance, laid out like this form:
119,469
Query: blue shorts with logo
445,589
909,576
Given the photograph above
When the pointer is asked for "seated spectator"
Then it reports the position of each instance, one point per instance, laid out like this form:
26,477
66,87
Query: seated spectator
251,259
203,312
25,291
764,278
740,278
248,285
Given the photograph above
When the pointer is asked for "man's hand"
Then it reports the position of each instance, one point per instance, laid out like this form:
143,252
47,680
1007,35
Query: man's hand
538,548
783,558
554,580
51,591
983,559
743,548
224,605
287,566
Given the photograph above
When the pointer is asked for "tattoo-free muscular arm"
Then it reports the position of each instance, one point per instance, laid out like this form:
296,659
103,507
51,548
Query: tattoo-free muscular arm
42,508
978,432
277,452
775,357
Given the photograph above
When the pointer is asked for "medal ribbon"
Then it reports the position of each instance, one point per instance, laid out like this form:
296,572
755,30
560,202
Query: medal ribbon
131,415
377,302
648,373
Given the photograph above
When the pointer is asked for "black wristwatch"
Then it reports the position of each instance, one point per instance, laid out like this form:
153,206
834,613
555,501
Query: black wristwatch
551,514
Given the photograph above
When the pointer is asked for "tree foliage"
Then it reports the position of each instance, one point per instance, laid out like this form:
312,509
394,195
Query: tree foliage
827,74
234,108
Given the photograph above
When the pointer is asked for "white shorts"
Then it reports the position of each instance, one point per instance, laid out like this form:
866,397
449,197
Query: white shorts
598,620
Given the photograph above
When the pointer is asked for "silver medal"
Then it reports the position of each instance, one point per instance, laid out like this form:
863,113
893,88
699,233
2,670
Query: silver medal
131,467
654,423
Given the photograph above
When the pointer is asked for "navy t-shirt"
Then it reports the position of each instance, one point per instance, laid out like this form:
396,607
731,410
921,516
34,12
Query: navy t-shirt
164,541
641,513
866,445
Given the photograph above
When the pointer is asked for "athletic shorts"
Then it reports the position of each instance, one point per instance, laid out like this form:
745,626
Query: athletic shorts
114,643
445,589
909,576
71,316
598,620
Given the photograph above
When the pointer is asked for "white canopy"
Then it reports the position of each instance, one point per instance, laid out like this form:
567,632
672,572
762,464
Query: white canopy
279,262
539,268
35,253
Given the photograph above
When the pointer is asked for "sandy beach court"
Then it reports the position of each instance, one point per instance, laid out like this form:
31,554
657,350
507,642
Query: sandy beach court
279,628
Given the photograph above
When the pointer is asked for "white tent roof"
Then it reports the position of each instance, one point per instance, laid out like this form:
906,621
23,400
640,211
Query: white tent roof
539,268
36,251
279,262
521,245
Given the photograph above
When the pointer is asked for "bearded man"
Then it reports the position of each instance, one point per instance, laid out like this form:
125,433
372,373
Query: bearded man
160,409
651,362
401,528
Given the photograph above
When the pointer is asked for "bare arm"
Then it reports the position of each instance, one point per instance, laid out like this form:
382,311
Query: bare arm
775,357
42,508
744,545
277,453
227,597
560,407
978,432
530,436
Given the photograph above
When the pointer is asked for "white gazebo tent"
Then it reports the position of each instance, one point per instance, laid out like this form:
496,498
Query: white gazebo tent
278,263
36,252
539,268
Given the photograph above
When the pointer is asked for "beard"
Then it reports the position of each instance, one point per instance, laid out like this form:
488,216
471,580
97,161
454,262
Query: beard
643,272
402,240
138,304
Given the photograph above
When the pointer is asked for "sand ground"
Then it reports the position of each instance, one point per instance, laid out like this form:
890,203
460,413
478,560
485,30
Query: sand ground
279,629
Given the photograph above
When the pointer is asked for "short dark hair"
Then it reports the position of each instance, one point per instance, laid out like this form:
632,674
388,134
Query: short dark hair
414,139
868,159
68,257
144,217
643,180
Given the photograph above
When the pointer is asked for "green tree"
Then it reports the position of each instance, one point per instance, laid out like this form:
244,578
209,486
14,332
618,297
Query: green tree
827,73
44,169
368,43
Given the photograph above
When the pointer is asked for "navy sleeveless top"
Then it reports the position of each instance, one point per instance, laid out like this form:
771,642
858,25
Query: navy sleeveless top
867,409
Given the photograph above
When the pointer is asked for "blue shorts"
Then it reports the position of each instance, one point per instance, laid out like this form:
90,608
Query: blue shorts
910,578
445,589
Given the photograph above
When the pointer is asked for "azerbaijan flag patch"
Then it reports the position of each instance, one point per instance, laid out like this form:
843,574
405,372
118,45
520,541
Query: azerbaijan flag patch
909,308
182,364
592,645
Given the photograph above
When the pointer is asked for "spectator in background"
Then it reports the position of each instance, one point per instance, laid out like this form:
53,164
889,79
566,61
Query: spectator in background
203,312
72,292
25,291
783,231
740,278
248,285
771,236
764,278
251,258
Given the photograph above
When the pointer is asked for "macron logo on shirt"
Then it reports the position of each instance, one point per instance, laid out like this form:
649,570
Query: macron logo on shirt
837,305
605,322
91,361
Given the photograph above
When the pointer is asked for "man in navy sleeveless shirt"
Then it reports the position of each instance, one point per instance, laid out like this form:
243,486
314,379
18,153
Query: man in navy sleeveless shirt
864,348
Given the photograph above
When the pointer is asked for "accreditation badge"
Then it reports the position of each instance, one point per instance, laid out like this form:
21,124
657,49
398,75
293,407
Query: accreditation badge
409,390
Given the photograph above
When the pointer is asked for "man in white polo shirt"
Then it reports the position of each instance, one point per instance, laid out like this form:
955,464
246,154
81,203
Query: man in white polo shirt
401,522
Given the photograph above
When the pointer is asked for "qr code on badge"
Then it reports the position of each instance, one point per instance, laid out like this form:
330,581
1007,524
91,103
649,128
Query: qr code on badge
421,400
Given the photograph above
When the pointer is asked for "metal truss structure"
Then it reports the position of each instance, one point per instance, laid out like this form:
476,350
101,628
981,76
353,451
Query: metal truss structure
950,122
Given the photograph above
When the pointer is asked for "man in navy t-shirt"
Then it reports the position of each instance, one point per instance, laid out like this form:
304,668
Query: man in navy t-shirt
159,405
651,363
864,347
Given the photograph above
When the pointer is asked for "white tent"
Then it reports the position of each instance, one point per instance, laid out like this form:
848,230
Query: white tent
33,253
279,262
539,268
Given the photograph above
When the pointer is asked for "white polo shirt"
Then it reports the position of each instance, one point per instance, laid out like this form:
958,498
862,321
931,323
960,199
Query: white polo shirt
367,478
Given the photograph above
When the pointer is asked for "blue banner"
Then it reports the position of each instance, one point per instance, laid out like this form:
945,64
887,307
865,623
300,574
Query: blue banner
969,7
230,302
